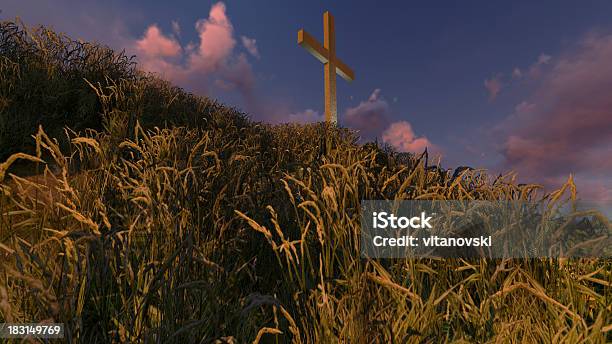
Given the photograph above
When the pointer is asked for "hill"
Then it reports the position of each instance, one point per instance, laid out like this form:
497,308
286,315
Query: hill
160,216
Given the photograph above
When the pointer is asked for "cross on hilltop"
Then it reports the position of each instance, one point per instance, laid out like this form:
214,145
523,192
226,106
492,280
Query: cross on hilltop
327,55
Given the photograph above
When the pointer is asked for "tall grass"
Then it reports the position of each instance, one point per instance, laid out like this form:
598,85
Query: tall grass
49,79
184,222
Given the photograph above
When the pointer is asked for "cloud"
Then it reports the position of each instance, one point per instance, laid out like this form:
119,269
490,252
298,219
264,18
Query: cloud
534,71
401,136
524,107
239,74
176,28
543,59
156,44
566,126
599,191
156,51
493,86
370,117
193,66
250,45
216,41
375,96
306,116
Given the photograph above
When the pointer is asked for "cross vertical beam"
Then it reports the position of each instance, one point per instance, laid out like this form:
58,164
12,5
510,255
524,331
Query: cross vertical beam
329,43
332,65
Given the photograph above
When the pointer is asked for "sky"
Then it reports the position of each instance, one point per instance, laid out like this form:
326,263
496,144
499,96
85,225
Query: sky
508,86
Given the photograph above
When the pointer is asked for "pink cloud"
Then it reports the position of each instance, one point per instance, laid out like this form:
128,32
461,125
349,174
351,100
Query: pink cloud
238,75
535,70
370,117
216,41
212,57
156,44
250,45
566,126
401,136
493,86
156,50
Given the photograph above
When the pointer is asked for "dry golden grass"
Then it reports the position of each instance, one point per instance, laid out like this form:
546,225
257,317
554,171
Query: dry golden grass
190,234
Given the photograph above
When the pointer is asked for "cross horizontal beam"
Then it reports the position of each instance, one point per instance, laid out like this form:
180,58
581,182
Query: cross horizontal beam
308,42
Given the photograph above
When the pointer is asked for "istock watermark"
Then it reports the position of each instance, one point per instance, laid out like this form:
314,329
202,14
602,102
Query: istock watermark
491,229
384,220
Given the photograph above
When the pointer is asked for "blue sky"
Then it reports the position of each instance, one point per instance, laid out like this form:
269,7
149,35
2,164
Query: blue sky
421,71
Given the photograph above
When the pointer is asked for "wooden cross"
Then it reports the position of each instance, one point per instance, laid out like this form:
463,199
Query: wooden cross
327,55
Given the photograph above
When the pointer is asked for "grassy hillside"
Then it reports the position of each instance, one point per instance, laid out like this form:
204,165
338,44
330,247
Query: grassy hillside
159,216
